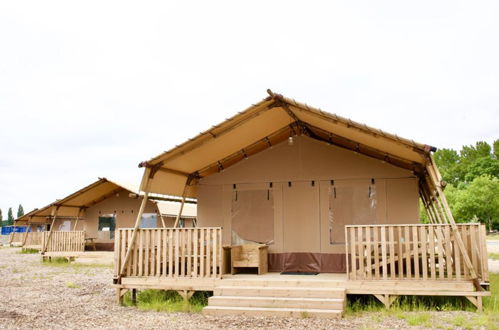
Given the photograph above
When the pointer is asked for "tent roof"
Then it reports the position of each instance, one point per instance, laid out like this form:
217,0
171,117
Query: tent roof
69,206
267,123
170,209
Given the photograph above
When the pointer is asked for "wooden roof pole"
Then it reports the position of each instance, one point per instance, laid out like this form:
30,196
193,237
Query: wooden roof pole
77,218
27,232
161,216
54,217
179,214
424,198
177,219
442,202
137,223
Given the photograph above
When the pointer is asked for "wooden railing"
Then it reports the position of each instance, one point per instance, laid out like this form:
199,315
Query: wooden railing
170,252
34,240
64,241
419,251
16,238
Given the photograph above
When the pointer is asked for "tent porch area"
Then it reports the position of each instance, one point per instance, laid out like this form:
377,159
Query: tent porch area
386,261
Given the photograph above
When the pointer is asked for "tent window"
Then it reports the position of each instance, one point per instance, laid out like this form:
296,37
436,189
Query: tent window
252,216
107,224
149,220
350,203
65,225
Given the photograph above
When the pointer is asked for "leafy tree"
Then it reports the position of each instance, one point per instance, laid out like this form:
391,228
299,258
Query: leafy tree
482,166
20,211
479,200
10,217
448,163
496,149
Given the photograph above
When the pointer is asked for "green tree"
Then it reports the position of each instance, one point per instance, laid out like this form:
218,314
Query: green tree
10,217
20,211
1,218
448,162
478,200
496,149
482,166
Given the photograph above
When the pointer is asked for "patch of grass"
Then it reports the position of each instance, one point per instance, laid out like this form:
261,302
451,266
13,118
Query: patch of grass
28,251
63,262
494,256
15,271
493,237
488,319
168,301
304,315
72,285
56,261
419,319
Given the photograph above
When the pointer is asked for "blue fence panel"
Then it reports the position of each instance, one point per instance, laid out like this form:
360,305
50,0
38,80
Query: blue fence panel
14,229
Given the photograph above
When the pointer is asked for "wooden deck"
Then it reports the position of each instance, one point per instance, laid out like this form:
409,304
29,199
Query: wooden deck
419,260
290,295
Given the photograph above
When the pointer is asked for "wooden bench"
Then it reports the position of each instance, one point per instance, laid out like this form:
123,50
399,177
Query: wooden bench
249,256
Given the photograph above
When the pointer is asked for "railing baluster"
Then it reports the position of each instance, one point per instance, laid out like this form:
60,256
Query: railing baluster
415,246
424,260
391,238
354,253
376,251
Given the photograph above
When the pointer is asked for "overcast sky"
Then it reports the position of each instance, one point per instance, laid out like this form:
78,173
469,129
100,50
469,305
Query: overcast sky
91,88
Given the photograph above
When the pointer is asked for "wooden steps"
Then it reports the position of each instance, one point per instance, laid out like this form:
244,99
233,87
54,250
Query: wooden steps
278,302
283,312
286,298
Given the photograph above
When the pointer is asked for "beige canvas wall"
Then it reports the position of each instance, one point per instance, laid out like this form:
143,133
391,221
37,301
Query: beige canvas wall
301,211
121,204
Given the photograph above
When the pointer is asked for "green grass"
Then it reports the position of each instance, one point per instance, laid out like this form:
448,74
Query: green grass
419,319
72,285
415,309
28,251
494,256
493,237
63,262
167,301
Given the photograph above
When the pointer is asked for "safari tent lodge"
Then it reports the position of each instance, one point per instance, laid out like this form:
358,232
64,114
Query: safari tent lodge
297,209
90,216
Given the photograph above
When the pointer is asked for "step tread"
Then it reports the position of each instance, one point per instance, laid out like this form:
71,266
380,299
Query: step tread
278,298
273,309
279,288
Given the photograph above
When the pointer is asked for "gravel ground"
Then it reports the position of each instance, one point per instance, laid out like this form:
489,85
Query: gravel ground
33,295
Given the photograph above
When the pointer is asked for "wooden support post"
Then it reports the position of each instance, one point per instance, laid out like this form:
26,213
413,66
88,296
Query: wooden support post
442,201
54,217
386,299
27,233
186,294
477,301
77,218
120,293
134,296
180,210
134,233
162,219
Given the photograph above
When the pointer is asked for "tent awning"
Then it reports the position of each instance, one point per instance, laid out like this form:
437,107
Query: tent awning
71,205
267,123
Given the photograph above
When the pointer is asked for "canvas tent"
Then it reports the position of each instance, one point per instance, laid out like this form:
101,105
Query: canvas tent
98,210
279,172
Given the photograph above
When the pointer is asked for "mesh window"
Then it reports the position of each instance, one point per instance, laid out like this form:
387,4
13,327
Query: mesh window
149,220
350,203
252,216
107,224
